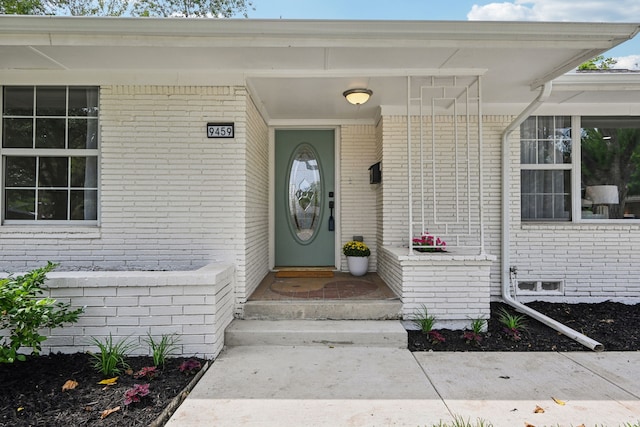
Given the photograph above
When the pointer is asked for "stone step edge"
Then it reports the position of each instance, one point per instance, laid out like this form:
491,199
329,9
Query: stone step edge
365,333
375,310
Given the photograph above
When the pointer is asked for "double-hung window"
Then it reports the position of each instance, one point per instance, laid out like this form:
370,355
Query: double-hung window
49,154
593,176
545,170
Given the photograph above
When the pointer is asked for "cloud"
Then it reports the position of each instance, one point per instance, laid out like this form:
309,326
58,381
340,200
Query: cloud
501,12
631,62
558,10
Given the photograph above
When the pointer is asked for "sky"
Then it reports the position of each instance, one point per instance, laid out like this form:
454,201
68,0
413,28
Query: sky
627,54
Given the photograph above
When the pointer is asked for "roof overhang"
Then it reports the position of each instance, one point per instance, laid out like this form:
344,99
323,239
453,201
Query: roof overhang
614,92
299,69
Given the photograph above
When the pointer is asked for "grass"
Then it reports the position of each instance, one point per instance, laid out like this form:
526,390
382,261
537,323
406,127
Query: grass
477,325
423,320
459,421
162,349
512,321
112,356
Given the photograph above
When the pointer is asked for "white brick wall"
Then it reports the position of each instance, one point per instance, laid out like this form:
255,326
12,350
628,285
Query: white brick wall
357,197
196,305
394,219
596,261
256,235
169,197
453,288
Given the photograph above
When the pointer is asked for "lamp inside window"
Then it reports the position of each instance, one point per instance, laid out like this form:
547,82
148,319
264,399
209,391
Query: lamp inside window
600,197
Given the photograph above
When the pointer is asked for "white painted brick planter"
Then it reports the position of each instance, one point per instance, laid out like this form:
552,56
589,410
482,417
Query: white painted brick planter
455,288
196,305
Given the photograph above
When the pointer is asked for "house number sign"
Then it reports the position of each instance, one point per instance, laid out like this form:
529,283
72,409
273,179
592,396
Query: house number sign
220,130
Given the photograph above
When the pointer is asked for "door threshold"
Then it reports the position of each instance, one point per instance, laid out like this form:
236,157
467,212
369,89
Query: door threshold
304,272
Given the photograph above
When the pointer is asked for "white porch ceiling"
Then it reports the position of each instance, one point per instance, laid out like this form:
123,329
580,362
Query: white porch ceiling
297,70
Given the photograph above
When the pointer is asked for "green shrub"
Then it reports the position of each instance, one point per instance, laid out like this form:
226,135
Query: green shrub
23,313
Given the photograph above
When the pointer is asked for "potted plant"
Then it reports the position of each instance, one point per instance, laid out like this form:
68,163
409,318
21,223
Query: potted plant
429,243
357,254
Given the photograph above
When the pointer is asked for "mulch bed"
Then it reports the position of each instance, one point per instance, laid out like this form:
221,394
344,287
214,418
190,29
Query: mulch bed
31,392
615,325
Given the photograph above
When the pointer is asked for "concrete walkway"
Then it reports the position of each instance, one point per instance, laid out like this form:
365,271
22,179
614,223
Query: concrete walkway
367,386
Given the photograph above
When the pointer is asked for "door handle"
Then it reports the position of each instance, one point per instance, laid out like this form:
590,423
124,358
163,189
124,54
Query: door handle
332,222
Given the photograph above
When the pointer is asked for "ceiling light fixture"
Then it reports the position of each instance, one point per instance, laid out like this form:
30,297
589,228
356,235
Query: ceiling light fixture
357,96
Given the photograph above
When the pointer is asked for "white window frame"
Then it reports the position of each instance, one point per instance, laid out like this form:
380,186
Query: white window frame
49,152
576,180
555,167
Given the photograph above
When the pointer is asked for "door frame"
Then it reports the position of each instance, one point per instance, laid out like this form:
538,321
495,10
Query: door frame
272,194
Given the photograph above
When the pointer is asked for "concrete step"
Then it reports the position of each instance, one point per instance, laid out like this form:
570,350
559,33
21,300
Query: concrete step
352,333
323,310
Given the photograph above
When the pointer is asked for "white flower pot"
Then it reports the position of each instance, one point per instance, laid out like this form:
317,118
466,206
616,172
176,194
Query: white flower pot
358,265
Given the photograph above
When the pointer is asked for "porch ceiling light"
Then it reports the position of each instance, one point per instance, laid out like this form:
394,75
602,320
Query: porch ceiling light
357,96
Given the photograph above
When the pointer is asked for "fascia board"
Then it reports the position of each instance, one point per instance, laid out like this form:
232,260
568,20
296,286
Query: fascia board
597,82
48,30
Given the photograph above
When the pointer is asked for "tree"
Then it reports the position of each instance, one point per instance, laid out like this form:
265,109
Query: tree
192,8
97,7
22,7
158,8
598,63
612,157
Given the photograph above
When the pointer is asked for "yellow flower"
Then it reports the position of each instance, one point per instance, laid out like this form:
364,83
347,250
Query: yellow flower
353,248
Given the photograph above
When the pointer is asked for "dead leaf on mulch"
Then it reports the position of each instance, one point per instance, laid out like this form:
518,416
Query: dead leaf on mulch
558,401
538,410
109,381
104,414
69,385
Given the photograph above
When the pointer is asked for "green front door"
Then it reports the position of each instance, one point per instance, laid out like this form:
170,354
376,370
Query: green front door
304,169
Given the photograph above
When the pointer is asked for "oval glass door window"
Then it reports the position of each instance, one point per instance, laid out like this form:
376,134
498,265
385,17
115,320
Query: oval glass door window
305,193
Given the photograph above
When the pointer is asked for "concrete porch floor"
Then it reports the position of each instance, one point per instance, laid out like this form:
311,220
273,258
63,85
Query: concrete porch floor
343,286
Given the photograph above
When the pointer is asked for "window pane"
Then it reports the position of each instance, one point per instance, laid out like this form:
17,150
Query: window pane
53,172
562,138
84,171
528,182
546,194
546,152
546,127
610,167
20,204
528,150
18,101
83,133
52,204
84,205
20,172
528,129
528,206
51,101
50,133
17,133
83,101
